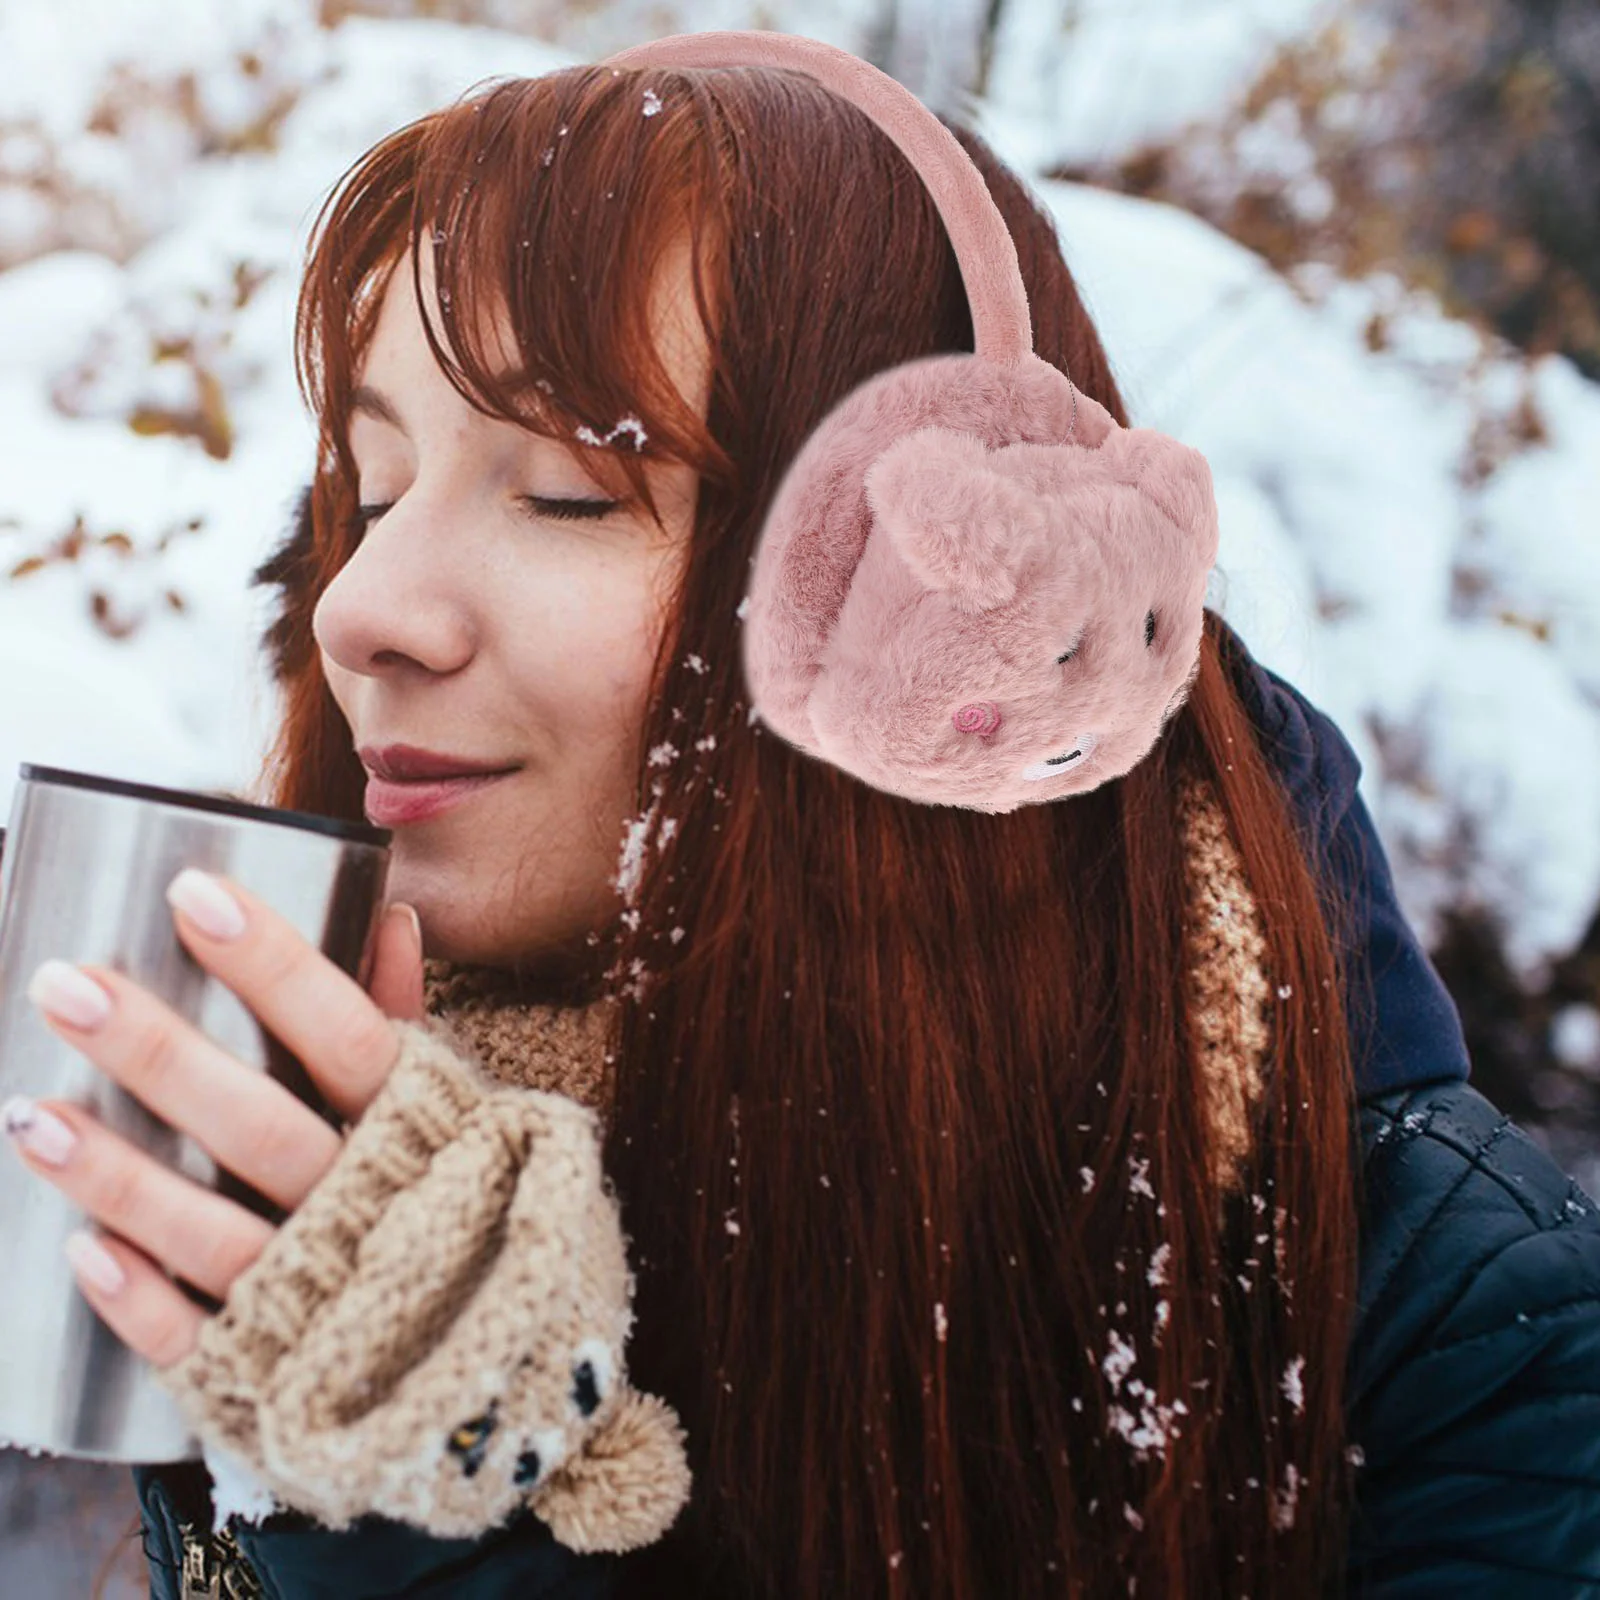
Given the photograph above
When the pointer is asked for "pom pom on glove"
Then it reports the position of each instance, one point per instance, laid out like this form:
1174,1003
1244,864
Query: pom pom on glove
436,1334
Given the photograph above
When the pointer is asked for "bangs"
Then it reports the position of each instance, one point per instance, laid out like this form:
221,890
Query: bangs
549,205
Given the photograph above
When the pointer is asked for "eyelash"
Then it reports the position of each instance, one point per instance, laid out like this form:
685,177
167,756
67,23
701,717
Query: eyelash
560,510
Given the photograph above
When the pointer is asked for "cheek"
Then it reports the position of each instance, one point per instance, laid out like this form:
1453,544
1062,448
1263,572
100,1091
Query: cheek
585,676
626,683
625,660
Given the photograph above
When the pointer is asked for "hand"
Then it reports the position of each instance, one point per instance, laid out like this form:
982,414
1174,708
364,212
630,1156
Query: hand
252,1126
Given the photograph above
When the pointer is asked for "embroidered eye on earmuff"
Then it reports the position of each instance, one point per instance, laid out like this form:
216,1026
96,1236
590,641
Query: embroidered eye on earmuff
954,517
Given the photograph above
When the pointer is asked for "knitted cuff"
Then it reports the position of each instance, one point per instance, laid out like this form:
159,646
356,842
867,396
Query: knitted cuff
436,1334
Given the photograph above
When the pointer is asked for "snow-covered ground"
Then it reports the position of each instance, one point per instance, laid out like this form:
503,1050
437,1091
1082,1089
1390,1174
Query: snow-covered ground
1451,627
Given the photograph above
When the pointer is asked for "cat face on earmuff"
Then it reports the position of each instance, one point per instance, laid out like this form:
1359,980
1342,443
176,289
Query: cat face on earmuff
1023,621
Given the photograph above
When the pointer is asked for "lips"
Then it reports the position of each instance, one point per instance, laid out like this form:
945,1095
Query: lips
393,805
405,763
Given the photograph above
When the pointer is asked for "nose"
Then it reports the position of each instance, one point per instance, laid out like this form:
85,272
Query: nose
395,602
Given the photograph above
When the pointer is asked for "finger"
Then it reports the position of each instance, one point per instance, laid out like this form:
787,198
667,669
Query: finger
396,986
202,1237
324,1018
250,1124
144,1308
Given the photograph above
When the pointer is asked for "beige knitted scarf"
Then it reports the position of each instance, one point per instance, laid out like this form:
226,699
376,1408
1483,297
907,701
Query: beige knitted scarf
534,1045
564,1049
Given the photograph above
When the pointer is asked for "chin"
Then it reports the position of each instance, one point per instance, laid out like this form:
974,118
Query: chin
572,966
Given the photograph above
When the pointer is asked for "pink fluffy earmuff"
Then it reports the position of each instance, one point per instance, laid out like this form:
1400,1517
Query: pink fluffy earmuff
973,587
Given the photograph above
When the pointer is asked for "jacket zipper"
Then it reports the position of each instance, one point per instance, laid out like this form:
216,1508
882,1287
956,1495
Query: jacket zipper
215,1568
199,1576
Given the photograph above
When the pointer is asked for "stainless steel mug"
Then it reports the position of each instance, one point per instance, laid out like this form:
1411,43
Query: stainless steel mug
83,877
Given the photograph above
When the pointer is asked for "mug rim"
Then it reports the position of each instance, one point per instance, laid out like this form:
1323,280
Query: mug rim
307,821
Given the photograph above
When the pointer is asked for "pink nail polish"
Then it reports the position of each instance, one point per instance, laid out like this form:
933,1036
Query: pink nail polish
38,1131
92,1262
207,904
69,994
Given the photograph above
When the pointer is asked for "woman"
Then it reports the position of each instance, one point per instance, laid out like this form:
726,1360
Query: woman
974,1256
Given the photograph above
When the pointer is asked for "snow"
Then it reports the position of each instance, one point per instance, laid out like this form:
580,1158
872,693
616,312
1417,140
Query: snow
54,71
1156,1273
1119,1361
1291,1383
1575,1038
628,425
1096,79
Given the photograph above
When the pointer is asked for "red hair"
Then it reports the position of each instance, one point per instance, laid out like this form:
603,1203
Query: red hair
854,1097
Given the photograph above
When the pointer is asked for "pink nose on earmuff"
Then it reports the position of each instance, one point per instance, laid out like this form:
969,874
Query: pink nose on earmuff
982,717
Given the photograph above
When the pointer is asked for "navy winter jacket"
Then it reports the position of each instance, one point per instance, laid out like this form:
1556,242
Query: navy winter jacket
1474,1387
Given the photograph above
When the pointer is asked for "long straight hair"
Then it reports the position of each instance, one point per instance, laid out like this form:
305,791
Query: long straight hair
908,1125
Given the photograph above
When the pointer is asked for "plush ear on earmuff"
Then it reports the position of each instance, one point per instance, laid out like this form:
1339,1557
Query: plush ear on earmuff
960,525
881,608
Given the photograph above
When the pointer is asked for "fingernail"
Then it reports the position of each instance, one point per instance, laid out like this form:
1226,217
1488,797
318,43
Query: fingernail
69,994
416,926
38,1131
207,904
91,1261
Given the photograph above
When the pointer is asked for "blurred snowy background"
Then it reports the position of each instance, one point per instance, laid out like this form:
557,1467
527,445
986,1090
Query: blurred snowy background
1350,249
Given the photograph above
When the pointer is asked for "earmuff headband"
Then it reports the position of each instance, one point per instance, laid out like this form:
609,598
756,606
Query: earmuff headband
1002,327
973,586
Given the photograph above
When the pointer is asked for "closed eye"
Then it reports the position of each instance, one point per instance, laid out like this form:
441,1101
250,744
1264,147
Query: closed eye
571,510
563,510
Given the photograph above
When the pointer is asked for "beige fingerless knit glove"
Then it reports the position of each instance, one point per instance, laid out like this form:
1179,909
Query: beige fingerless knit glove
436,1334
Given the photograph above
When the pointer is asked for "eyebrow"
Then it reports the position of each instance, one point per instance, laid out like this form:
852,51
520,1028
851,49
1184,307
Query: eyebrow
366,399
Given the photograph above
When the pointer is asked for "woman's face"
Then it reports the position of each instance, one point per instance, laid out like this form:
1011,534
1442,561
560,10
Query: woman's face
476,625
